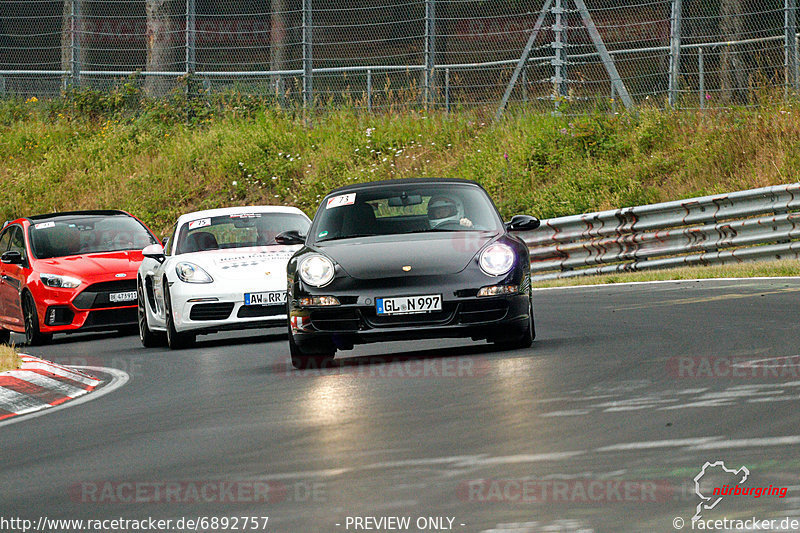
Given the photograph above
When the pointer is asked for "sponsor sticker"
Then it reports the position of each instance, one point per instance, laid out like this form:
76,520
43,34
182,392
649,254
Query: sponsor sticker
45,225
338,201
202,223
245,215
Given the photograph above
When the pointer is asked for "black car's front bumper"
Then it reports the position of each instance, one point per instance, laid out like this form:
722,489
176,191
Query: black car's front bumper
492,318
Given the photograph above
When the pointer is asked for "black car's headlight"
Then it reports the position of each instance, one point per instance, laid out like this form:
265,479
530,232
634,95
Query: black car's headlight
61,282
497,259
191,273
316,270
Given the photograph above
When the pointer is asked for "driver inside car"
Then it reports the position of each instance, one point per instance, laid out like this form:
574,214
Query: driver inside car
444,210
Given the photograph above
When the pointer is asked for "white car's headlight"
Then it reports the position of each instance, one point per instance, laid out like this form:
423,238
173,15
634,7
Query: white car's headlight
497,259
191,273
316,270
61,282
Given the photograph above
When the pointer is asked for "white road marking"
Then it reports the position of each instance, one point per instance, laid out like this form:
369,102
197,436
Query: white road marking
748,443
46,382
652,444
118,379
16,402
58,371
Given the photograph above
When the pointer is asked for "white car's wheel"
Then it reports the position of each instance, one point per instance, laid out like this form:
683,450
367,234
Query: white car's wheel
175,339
148,337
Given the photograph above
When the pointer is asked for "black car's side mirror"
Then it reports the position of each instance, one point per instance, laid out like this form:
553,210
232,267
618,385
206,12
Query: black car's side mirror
290,237
523,223
12,258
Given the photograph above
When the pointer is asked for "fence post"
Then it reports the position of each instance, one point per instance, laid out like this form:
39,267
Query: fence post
558,62
702,77
447,90
369,90
675,51
75,42
790,46
308,73
191,57
430,49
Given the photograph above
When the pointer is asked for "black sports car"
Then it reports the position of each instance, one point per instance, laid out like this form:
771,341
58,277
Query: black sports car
408,259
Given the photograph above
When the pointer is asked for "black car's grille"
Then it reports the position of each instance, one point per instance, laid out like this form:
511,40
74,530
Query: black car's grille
253,311
99,295
110,318
391,321
211,311
335,320
485,311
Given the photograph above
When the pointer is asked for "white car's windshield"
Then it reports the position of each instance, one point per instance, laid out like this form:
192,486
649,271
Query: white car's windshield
240,230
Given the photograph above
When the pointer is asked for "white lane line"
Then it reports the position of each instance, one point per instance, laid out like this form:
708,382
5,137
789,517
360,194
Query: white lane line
569,412
748,443
47,383
661,282
118,379
18,403
649,445
524,458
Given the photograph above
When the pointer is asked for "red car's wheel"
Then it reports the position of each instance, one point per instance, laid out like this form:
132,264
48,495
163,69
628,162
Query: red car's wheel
33,336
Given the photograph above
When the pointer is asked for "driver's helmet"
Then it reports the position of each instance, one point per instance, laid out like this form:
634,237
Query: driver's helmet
444,209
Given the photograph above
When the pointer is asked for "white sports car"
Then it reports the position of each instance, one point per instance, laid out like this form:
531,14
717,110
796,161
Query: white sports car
218,269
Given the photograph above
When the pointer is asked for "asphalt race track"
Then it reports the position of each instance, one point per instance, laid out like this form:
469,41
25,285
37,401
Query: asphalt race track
601,426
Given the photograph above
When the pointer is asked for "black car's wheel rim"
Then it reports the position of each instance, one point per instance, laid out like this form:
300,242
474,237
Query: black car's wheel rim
29,319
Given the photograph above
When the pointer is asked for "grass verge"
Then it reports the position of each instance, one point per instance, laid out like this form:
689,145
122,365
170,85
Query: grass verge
9,360
767,269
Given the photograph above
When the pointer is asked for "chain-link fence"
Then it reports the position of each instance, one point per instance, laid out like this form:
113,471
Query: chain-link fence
436,53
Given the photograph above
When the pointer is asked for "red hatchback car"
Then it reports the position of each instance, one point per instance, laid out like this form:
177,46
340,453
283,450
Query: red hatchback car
67,272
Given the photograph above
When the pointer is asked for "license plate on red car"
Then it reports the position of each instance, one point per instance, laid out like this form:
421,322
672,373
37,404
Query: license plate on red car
118,297
406,305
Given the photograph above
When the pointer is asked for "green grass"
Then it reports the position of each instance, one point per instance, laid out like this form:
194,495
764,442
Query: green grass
9,360
159,159
767,269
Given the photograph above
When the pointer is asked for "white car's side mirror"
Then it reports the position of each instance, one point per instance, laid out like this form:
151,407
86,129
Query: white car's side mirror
154,251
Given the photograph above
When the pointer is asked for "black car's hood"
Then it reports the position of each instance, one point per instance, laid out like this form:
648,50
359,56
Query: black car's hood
426,253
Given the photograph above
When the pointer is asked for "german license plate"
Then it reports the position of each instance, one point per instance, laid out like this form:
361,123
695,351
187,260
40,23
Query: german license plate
406,305
117,297
265,298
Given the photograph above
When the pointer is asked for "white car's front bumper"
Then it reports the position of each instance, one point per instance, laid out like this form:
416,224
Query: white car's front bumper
207,307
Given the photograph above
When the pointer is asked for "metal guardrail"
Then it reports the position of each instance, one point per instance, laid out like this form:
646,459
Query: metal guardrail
726,228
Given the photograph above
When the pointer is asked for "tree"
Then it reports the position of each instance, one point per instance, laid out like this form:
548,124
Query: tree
732,67
161,56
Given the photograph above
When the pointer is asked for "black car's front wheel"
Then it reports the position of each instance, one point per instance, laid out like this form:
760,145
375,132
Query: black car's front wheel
522,340
33,335
303,359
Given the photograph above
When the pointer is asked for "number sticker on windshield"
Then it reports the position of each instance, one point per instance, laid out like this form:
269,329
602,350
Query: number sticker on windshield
202,223
338,201
45,225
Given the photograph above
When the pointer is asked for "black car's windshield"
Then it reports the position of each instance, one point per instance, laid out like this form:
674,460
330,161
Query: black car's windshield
393,210
240,230
87,234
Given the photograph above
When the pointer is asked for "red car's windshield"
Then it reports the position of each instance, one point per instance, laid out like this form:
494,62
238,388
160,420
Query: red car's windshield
86,234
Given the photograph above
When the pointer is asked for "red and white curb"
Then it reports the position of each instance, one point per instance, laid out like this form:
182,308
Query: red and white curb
40,384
